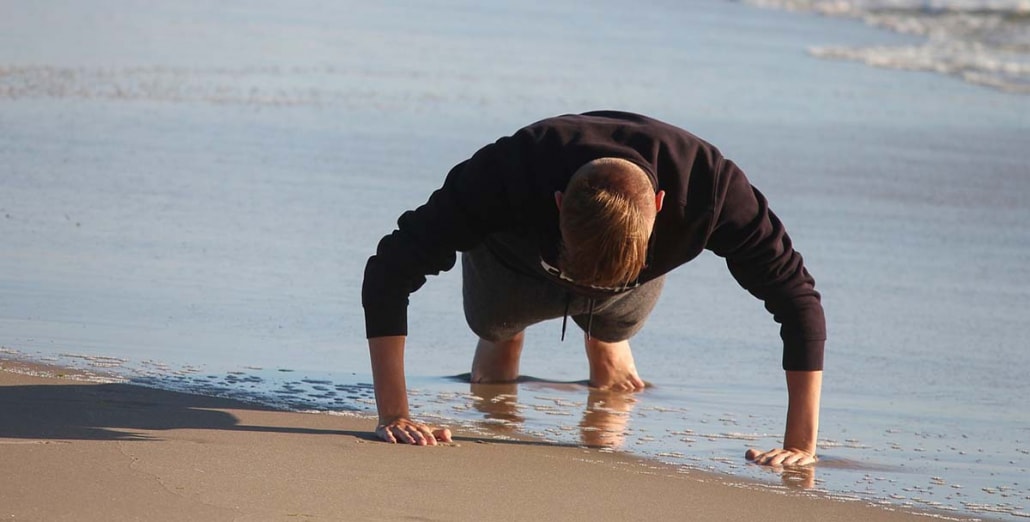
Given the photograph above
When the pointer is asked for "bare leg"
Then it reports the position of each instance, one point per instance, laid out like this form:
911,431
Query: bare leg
611,366
497,361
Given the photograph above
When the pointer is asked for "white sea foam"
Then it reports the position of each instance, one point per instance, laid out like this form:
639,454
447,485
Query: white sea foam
986,42
242,85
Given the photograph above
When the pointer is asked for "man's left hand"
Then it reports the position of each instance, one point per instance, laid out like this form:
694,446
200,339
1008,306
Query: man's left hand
780,457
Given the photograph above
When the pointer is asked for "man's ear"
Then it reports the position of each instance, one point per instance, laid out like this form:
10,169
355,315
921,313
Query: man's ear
658,199
557,199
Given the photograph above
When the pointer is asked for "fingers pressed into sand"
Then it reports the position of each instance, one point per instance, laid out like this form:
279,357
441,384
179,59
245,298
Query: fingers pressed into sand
442,435
415,436
386,434
407,431
779,457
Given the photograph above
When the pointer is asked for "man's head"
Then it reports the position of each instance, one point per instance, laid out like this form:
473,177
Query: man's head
606,215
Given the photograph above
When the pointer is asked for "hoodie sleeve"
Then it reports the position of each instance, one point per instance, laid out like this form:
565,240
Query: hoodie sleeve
762,259
472,202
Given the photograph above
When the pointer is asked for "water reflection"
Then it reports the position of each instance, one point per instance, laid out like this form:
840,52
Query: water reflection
793,477
498,403
603,425
606,418
604,421
798,477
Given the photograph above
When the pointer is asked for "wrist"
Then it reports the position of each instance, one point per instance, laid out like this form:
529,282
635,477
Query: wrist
807,450
389,419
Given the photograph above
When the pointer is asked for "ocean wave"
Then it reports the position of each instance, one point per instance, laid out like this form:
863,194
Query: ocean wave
986,42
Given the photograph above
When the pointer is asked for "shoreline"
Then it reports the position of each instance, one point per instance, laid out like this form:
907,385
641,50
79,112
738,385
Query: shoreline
85,450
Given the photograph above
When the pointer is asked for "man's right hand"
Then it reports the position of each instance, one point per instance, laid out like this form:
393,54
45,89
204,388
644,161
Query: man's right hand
407,431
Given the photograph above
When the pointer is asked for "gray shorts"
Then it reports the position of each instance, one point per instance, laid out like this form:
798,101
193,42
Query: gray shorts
500,303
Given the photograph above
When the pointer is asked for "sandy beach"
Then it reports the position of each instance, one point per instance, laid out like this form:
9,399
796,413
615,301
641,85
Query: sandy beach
79,450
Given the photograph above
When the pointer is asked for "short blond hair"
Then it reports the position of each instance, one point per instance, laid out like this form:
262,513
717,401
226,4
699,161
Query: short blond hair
607,212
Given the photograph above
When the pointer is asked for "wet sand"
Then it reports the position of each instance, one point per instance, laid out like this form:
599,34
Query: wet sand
79,450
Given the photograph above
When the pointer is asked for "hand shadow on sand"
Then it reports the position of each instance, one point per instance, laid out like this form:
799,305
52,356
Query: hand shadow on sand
118,411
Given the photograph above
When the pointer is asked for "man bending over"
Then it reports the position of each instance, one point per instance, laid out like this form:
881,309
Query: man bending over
581,216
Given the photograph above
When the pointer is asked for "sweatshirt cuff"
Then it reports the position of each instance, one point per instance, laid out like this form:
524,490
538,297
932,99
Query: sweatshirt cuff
803,355
385,320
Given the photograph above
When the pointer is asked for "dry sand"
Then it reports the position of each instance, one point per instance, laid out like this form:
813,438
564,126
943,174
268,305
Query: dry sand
78,450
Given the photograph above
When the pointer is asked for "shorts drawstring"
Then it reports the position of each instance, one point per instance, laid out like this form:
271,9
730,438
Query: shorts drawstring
590,317
565,317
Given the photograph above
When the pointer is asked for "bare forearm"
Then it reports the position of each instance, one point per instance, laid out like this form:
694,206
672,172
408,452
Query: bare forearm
387,355
803,390
395,424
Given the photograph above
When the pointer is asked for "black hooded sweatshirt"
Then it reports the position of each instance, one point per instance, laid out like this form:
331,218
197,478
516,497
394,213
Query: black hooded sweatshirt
503,197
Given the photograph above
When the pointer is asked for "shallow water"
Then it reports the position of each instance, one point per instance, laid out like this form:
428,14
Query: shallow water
188,195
